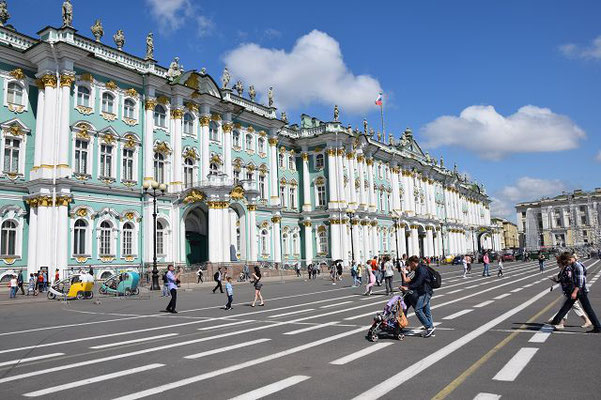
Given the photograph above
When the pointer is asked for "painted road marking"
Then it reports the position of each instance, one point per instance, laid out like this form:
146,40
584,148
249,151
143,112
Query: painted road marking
487,396
271,389
24,360
104,346
88,381
291,313
518,362
484,304
455,291
542,335
458,314
310,328
227,348
337,304
517,290
361,353
502,296
235,323
237,367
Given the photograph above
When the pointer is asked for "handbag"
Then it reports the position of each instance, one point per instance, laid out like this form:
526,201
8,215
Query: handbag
402,320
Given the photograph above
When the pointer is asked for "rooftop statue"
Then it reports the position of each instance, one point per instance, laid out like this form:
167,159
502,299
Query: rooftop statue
239,88
336,112
270,96
441,161
119,39
252,93
371,132
4,14
225,78
284,117
174,69
97,30
67,13
150,46
203,71
365,126
428,158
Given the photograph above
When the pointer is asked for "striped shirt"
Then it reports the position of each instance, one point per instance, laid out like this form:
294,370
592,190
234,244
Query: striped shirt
580,276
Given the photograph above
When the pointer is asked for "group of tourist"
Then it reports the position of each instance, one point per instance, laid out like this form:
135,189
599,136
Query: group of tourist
37,283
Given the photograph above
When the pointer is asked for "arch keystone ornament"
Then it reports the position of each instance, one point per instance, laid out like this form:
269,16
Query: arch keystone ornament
237,193
194,196
131,92
17,74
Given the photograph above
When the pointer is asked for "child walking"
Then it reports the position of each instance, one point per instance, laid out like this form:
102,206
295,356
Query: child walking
229,290
500,272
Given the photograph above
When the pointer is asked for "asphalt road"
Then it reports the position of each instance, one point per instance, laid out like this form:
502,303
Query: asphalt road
308,342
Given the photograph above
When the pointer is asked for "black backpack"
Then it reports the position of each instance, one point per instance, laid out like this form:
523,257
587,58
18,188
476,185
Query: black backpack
216,276
435,278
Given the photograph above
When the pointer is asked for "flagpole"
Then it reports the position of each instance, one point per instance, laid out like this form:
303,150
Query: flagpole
382,118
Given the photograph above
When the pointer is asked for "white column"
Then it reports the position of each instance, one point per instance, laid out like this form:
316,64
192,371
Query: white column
148,141
332,179
355,226
396,195
204,147
344,192
411,197
226,234
335,248
277,238
308,242
252,232
62,234
176,123
430,242
49,141
306,183
370,182
362,197
401,237
351,190
274,198
63,169
44,246
226,127
413,241
32,239
39,134
215,236
375,242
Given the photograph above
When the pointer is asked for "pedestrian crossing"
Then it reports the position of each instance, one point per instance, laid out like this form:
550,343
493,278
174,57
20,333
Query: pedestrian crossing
324,332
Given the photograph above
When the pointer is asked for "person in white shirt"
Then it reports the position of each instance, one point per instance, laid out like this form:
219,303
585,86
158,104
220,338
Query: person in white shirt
464,262
388,275
13,287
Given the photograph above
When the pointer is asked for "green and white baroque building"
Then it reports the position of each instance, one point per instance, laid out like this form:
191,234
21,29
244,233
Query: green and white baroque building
83,125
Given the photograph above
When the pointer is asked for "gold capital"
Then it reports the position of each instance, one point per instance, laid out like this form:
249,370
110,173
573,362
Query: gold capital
204,120
177,113
150,104
48,80
273,141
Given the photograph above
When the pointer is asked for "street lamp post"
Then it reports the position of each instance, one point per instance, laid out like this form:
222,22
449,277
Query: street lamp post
350,215
150,188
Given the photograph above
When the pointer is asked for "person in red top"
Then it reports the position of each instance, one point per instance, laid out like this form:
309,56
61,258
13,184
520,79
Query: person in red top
56,276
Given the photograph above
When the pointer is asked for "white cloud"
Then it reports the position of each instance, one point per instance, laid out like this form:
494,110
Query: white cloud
312,72
493,136
173,14
524,189
598,157
593,51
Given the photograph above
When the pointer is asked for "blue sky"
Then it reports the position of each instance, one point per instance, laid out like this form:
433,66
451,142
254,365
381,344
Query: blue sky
508,90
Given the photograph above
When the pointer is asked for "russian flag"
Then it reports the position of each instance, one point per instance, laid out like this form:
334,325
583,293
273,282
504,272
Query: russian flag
379,99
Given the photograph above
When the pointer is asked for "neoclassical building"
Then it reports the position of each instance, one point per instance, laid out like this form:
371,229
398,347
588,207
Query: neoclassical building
83,124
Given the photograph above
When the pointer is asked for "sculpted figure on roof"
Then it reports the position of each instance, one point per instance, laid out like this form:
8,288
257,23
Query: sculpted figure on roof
225,78
67,13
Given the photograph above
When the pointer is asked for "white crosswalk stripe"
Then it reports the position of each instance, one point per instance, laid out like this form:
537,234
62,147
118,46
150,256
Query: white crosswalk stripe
272,388
226,348
361,353
115,344
24,360
514,367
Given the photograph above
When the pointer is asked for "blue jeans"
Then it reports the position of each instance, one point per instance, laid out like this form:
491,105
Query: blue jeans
165,291
422,310
13,292
485,271
541,266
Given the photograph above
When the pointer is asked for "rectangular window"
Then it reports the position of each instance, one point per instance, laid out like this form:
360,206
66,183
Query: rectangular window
81,157
319,161
128,164
236,177
106,160
283,196
291,163
188,175
11,155
127,242
262,186
321,196
292,197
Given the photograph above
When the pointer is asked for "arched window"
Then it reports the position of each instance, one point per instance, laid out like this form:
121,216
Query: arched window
159,167
188,172
128,239
295,243
15,94
249,142
281,159
264,241
262,191
8,245
319,161
213,168
322,242
105,238
79,237
291,165
213,132
160,116
129,109
188,124
285,244
236,139
160,244
261,144
108,103
83,96
321,195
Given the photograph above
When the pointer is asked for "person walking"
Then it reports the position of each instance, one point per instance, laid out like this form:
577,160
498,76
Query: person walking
388,275
246,272
56,276
541,262
339,270
359,274
256,280
13,287
469,263
297,269
165,292
31,285
217,277
565,279
199,276
20,282
371,280
486,262
578,291
500,270
420,283
229,290
465,265
172,279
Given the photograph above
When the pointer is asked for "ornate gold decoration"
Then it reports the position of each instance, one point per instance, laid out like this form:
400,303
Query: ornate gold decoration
272,141
130,122
82,212
63,201
251,207
108,116
129,258
276,219
305,156
87,77
108,138
17,74
192,82
227,127
216,117
194,196
84,110
218,204
395,170
195,95
131,92
216,159
81,260
110,85
107,259
341,152
335,221
163,100
262,133
237,125
83,134
150,104
283,181
16,108
369,161
82,177
14,130
364,223
250,168
331,151
177,113
320,180
48,80
360,158
191,106
129,215
67,80
250,129
204,120
190,153
8,261
350,155
237,193
307,223
163,148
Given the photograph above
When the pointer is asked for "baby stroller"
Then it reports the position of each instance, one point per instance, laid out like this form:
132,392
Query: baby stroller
390,321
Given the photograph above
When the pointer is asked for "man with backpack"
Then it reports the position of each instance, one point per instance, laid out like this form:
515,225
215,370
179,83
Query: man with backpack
217,277
421,284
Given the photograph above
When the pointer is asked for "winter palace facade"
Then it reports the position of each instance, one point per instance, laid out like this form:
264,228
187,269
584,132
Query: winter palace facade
84,124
